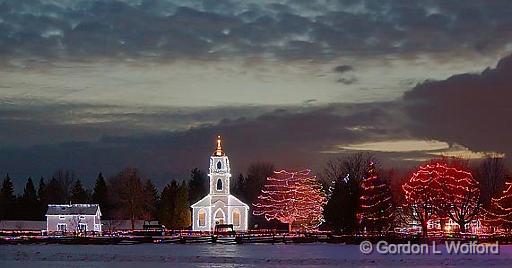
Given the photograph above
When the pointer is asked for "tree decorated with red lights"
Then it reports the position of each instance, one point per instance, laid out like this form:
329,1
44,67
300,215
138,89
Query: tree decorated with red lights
441,190
461,193
422,197
375,204
292,198
499,213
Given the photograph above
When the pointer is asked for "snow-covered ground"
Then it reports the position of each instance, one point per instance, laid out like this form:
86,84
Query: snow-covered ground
218,255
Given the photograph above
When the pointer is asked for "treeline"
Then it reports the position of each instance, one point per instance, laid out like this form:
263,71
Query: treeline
128,195
346,181
354,205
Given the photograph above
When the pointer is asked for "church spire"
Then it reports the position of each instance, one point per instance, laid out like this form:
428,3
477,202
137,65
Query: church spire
218,150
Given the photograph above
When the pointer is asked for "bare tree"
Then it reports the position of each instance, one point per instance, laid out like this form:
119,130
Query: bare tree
492,174
421,202
464,207
353,165
127,195
65,179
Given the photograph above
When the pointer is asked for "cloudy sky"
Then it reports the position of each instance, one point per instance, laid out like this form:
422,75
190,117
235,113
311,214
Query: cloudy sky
100,85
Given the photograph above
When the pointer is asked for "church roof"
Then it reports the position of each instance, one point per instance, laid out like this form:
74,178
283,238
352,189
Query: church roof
233,201
207,201
204,202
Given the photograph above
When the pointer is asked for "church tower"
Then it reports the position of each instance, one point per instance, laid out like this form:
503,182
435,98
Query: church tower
220,172
219,207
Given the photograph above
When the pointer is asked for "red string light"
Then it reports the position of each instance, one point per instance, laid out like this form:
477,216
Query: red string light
292,197
499,212
375,207
439,190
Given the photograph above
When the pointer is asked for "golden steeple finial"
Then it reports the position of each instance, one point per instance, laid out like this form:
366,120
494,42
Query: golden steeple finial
218,150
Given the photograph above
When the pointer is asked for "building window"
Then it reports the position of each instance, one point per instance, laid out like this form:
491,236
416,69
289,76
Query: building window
236,217
97,227
62,227
219,185
82,217
219,165
202,217
82,227
62,217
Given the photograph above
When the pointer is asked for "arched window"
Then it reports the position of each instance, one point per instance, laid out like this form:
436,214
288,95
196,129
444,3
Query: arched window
219,185
236,217
219,217
202,217
219,165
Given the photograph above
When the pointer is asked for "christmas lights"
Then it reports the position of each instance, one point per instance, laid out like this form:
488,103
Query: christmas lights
295,198
375,209
439,190
499,213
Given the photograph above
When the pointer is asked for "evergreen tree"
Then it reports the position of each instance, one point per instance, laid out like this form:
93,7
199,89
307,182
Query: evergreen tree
78,193
345,175
341,217
43,198
257,174
499,212
29,205
167,208
150,200
238,187
100,196
375,204
7,200
182,210
198,186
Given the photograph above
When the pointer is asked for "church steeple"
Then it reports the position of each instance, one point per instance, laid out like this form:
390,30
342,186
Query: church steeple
218,151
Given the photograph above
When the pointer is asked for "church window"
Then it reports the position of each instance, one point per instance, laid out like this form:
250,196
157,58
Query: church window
236,217
219,185
219,217
202,217
219,165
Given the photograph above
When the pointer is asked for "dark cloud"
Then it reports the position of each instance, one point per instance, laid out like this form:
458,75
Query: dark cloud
283,29
343,68
25,123
347,80
469,109
289,136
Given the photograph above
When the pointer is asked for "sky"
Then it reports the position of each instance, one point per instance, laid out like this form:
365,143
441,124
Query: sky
96,86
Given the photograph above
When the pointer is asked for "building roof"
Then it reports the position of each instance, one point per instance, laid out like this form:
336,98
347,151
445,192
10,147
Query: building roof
22,225
73,209
207,201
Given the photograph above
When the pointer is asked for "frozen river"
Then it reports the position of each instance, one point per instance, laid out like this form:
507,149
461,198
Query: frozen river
218,255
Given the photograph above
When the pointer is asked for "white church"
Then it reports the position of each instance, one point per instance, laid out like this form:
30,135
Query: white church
219,207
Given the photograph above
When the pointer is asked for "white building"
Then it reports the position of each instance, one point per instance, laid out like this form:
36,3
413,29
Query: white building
73,218
219,207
